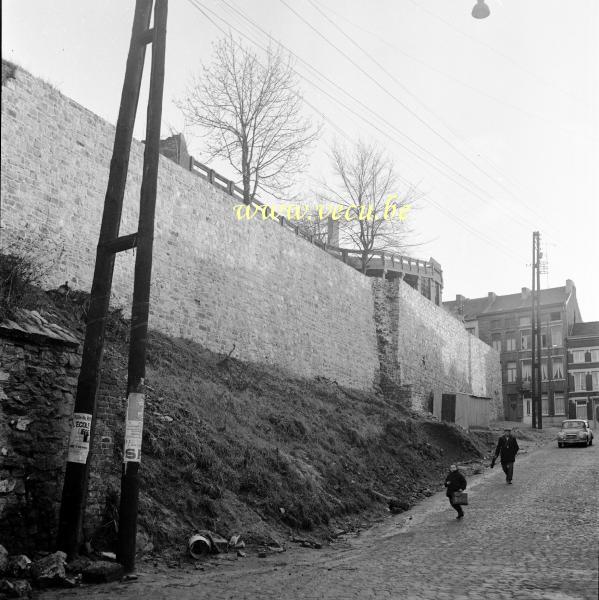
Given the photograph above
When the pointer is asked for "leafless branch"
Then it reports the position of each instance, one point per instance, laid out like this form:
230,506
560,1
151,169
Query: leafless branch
368,191
250,114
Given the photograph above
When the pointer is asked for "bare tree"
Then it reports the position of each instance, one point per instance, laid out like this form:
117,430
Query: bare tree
251,115
371,212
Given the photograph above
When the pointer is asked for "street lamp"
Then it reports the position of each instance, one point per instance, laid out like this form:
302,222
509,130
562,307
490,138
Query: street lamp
480,10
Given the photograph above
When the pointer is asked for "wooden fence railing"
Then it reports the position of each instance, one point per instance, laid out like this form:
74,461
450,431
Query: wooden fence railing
383,260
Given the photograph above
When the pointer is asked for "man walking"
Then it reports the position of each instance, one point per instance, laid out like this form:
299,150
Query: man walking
507,448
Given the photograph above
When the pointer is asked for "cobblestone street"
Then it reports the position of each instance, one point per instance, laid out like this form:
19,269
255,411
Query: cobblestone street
535,539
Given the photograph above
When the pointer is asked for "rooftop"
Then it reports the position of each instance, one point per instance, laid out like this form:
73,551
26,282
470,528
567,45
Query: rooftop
472,308
30,325
585,329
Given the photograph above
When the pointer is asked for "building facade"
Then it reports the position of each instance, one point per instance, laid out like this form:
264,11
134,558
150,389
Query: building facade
504,322
583,371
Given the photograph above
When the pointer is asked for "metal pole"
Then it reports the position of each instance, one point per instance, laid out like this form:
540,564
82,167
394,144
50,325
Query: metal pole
533,386
77,469
550,365
539,389
141,300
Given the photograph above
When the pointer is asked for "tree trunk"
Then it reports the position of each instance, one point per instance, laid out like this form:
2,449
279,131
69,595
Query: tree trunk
245,172
365,259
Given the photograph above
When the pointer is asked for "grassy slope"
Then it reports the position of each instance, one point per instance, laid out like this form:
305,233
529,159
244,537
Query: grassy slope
252,450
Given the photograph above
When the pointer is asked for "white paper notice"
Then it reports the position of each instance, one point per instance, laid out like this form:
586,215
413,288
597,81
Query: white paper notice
134,428
79,440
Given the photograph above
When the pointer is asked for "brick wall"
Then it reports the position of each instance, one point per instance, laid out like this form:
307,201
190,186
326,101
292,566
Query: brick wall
217,281
430,350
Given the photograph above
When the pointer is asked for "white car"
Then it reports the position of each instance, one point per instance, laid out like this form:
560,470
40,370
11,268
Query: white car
575,431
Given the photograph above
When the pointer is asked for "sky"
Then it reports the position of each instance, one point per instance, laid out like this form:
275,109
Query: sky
495,120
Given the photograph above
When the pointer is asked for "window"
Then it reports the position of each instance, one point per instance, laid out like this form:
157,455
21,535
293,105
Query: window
578,356
559,408
594,355
471,330
511,322
525,340
580,382
544,370
496,341
595,378
524,321
556,335
543,337
544,405
510,341
511,372
526,370
555,316
496,324
528,408
558,367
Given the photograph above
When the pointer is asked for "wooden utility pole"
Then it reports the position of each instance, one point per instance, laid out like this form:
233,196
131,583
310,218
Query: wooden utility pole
141,299
537,410
550,365
538,326
533,386
77,468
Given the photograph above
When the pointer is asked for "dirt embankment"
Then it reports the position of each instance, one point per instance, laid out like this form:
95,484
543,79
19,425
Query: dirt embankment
245,449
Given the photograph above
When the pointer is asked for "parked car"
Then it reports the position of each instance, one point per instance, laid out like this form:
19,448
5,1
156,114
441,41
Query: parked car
575,431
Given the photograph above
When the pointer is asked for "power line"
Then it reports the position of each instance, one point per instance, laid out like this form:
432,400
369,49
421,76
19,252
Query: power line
381,39
363,105
504,249
514,183
401,103
367,108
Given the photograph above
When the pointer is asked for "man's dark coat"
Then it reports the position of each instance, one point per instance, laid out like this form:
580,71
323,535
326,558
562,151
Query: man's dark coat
507,448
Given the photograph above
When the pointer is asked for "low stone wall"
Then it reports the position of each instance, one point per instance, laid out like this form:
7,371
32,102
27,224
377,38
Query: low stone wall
38,379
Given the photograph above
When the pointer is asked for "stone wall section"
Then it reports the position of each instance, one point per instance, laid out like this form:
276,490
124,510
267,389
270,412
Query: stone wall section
216,280
221,282
432,350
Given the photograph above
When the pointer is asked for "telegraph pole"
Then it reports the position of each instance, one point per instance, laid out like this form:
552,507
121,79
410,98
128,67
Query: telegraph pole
536,392
538,326
141,300
549,363
77,469
533,372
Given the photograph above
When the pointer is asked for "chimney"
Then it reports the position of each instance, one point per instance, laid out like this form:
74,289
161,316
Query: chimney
459,302
175,148
525,293
491,296
570,287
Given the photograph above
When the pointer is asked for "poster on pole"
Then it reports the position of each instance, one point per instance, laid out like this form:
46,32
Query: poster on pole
134,428
79,438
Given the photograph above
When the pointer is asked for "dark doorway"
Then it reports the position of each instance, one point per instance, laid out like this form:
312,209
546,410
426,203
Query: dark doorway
448,408
515,410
